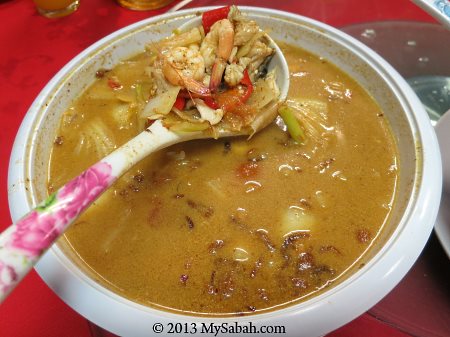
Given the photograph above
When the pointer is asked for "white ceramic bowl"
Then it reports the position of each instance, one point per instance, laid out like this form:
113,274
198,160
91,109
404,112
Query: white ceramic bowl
406,233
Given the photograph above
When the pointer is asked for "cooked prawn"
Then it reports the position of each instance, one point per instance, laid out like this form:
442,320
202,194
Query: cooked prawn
233,74
183,62
185,67
216,48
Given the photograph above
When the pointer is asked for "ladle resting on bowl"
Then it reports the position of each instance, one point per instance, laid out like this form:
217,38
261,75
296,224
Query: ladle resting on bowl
22,244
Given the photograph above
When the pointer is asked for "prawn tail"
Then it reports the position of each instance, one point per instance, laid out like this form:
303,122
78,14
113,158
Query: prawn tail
216,73
196,87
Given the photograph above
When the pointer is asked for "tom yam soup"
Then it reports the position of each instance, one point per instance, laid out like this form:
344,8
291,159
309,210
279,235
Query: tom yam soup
230,226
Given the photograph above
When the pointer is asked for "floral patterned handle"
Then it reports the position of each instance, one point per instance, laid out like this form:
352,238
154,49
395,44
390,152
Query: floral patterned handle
22,244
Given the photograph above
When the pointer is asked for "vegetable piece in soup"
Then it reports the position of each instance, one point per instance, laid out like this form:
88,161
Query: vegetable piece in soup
232,226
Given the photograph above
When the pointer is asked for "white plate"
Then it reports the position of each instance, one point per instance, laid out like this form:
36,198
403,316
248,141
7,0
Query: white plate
442,226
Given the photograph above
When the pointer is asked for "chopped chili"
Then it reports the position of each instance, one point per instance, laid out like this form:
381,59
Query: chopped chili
209,101
180,103
212,16
113,83
248,83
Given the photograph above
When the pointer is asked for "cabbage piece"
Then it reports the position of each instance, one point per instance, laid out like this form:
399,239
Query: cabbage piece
126,97
131,68
217,186
161,104
188,115
142,91
158,79
213,116
265,100
114,234
192,36
313,116
122,114
265,91
101,92
96,136
264,117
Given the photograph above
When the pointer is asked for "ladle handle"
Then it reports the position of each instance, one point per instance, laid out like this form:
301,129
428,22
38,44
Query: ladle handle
439,9
22,244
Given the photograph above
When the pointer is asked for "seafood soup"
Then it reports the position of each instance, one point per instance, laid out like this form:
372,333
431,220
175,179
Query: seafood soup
228,226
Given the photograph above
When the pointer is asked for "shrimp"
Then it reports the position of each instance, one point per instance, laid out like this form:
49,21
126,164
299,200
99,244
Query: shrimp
233,74
216,48
185,67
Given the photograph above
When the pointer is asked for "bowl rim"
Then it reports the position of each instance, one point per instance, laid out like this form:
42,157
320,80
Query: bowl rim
55,265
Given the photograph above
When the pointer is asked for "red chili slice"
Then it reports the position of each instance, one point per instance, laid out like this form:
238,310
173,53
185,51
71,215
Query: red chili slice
180,103
212,16
209,101
248,83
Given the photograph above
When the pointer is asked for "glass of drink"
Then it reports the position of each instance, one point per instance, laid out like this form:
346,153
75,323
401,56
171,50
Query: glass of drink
143,5
56,8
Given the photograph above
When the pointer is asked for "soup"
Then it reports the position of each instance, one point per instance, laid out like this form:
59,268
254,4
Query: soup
232,226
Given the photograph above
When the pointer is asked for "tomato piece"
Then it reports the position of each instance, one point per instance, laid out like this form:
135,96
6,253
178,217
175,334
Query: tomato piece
233,100
229,100
180,103
212,16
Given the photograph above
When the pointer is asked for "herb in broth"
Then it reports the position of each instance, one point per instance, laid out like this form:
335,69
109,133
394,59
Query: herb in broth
231,226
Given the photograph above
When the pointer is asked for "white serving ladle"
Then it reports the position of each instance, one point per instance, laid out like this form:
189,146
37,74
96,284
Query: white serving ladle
23,243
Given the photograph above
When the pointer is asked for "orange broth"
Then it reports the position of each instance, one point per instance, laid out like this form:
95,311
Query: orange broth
230,226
